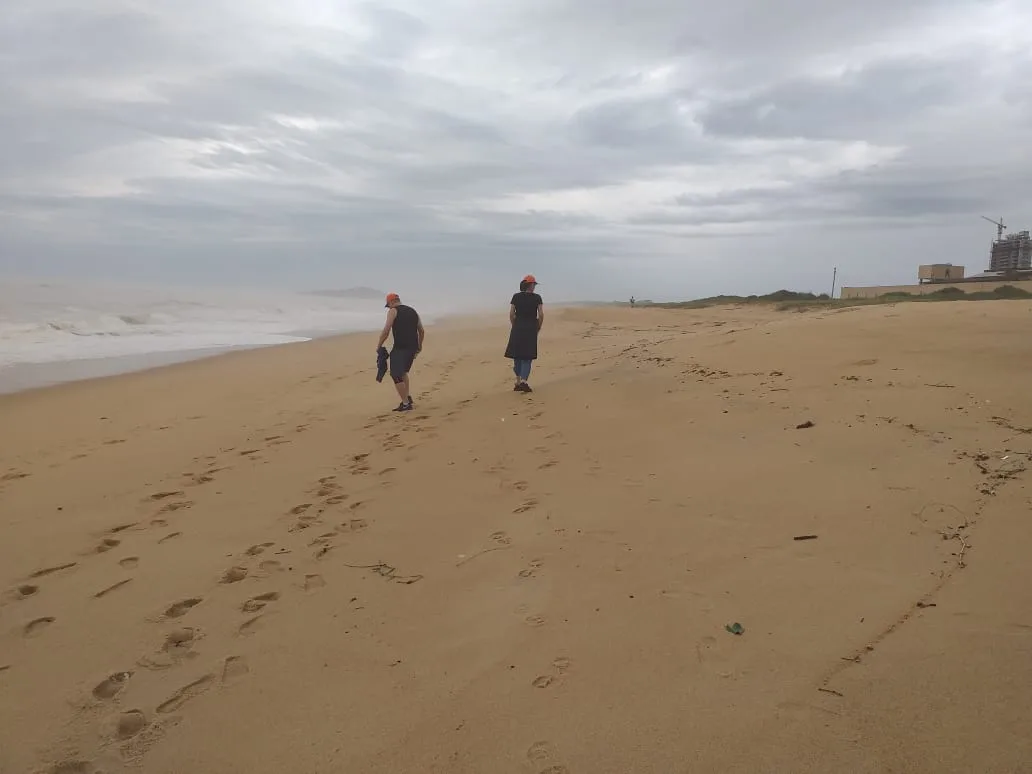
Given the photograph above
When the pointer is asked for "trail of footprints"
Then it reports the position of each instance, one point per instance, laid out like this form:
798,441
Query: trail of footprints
135,729
179,643
178,646
106,544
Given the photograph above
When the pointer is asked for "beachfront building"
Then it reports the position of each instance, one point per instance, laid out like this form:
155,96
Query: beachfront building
1011,253
937,277
939,272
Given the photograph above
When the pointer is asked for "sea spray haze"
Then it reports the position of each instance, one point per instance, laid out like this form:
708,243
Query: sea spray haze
53,321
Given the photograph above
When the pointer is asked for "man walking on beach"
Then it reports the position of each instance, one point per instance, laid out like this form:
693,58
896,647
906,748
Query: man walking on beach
404,323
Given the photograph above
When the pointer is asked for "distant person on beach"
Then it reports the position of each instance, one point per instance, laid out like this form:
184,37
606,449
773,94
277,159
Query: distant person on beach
526,316
632,301
407,329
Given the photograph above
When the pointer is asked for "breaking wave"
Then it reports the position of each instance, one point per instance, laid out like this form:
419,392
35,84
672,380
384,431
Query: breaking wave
46,322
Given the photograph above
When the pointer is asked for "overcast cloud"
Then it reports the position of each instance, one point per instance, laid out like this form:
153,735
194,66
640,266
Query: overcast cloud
666,148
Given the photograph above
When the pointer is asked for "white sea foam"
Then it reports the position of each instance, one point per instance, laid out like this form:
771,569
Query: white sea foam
47,322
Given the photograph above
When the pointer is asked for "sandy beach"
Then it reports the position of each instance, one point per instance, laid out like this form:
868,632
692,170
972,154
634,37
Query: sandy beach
249,564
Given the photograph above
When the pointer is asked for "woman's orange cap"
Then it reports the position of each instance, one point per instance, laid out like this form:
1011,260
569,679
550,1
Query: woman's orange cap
531,279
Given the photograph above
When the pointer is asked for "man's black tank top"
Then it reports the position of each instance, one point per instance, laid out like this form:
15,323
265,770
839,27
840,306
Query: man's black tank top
405,328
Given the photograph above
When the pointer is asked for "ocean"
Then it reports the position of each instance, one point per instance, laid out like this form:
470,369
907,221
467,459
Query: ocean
54,331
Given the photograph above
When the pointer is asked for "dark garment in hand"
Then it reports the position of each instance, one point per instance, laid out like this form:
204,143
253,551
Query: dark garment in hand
381,363
524,334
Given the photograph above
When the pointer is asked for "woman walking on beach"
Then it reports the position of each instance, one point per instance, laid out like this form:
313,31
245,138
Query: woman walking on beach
526,316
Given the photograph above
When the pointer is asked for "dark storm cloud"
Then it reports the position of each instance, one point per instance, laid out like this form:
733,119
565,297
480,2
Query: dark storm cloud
433,132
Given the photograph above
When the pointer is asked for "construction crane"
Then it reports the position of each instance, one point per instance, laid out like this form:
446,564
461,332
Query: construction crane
999,226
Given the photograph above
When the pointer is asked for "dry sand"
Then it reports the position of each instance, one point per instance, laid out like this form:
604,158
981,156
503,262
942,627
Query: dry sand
248,564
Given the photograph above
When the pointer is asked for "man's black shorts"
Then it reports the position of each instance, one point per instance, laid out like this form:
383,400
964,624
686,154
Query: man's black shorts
401,362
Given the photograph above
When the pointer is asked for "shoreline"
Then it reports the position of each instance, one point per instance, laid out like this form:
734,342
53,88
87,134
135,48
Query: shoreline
20,378
31,378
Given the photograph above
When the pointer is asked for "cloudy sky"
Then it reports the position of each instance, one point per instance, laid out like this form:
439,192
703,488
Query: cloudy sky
668,148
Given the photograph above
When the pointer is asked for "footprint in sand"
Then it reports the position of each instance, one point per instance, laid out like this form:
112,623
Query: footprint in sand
549,464
233,668
159,522
179,609
526,506
34,627
129,562
249,626
258,549
270,566
540,752
113,587
129,724
313,582
179,505
254,604
562,665
323,551
50,570
544,752
165,495
122,528
297,510
353,525
531,569
305,522
25,591
179,641
185,694
107,544
111,686
234,575
543,681
170,536
501,538
534,620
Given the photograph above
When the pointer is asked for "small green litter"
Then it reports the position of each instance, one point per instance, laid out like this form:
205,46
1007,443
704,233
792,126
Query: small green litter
735,628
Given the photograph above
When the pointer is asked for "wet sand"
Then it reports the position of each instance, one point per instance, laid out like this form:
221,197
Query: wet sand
249,564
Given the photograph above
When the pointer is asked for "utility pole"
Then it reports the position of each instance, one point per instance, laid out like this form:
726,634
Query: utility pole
834,276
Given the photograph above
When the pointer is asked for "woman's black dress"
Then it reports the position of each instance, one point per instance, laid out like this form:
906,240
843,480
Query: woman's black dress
523,337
